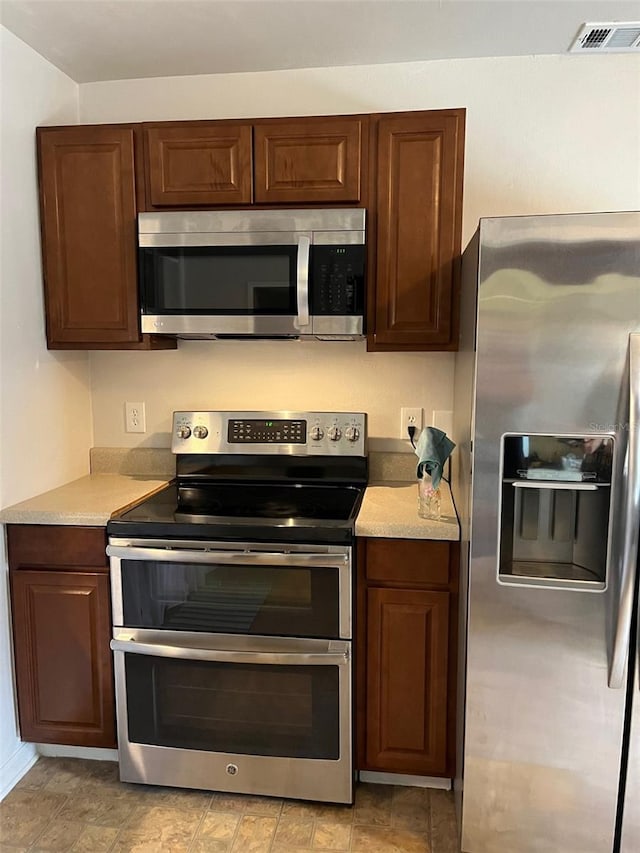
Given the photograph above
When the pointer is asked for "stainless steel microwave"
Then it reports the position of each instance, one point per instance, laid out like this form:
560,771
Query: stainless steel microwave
253,273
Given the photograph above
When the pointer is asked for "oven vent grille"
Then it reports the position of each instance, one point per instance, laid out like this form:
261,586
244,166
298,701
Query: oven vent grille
618,37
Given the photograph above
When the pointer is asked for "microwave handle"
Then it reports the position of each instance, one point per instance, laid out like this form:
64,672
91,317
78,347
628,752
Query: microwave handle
302,284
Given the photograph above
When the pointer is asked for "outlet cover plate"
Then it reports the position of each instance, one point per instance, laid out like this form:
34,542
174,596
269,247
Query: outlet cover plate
134,416
443,419
410,417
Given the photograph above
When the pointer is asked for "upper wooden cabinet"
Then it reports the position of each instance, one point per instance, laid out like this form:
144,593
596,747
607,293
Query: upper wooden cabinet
199,163
313,160
413,296
405,169
88,225
310,160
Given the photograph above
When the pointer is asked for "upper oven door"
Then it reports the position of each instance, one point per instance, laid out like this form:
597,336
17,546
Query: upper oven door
223,588
225,284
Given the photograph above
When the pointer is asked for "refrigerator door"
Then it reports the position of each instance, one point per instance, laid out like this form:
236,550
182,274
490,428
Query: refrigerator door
558,297
628,532
630,827
630,841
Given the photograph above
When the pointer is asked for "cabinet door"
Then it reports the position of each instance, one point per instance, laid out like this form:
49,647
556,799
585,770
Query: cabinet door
88,221
198,164
415,303
312,160
62,627
407,661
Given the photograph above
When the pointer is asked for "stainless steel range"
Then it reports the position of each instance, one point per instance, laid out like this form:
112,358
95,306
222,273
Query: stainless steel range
232,608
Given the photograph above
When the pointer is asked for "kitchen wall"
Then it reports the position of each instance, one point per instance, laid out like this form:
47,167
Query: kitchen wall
45,397
545,134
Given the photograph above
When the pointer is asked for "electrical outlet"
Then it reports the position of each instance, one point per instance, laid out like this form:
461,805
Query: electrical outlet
410,417
134,417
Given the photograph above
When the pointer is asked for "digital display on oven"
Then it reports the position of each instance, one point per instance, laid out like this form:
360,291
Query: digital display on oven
256,431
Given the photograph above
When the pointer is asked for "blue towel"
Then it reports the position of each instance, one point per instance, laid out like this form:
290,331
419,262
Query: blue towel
433,449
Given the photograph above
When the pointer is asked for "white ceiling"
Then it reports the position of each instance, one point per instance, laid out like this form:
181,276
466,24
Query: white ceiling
118,39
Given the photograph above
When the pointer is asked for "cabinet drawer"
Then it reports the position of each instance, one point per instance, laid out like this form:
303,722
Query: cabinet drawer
404,561
53,546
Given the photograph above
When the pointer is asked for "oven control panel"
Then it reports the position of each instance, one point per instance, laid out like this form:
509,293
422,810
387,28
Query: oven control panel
299,433
265,430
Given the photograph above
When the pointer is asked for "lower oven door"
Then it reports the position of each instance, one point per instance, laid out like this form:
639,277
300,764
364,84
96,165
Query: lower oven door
255,715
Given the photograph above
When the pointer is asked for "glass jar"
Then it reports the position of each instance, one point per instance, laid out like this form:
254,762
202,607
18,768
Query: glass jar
429,499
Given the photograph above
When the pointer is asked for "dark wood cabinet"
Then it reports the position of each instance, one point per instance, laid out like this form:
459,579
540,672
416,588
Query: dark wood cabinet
407,650
315,160
312,160
61,618
198,164
414,293
88,224
406,656
406,169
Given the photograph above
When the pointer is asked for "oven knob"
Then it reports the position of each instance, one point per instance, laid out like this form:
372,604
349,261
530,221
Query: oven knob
183,431
200,432
352,433
334,433
316,433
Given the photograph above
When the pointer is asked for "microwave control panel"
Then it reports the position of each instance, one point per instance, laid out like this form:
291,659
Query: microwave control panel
338,280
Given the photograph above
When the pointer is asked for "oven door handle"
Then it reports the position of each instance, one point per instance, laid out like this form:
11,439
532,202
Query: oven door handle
231,656
264,558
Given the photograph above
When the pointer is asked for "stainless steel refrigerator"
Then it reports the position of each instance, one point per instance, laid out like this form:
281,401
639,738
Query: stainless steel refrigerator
547,403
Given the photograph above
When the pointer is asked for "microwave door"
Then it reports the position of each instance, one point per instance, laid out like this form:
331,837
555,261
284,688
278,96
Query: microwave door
253,288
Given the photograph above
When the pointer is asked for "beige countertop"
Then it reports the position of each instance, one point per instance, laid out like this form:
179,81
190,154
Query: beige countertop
91,500
390,510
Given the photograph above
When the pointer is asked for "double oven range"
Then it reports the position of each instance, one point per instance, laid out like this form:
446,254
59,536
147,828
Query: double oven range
232,594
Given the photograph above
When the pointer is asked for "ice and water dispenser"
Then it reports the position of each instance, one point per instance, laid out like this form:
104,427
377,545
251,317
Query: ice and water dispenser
555,508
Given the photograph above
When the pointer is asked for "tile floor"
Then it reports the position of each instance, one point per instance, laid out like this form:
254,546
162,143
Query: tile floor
65,804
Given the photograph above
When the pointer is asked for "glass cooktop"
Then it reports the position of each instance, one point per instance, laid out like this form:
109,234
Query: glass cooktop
269,501
256,511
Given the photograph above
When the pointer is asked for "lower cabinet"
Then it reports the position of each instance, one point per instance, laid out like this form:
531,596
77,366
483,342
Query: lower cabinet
406,656
61,619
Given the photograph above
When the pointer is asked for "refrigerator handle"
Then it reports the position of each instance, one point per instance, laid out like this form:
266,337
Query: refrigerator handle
629,515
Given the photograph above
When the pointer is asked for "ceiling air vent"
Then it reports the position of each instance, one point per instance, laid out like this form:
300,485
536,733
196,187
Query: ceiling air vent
619,37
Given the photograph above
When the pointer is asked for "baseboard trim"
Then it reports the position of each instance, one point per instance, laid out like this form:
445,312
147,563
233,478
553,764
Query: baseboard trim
12,771
54,750
404,779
